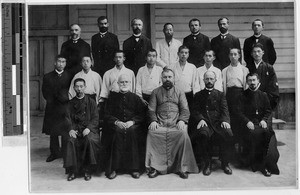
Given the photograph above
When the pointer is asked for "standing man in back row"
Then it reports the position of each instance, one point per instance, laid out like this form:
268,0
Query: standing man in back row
197,43
222,44
104,46
136,47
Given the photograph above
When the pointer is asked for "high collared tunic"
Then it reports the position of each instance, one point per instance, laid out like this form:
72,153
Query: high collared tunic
167,54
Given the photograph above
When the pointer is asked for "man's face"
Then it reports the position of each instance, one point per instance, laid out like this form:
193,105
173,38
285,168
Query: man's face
119,59
168,31
209,57
151,58
124,83
103,25
209,80
257,27
137,27
75,31
257,53
60,64
86,63
223,25
183,54
79,88
234,55
252,81
168,79
195,27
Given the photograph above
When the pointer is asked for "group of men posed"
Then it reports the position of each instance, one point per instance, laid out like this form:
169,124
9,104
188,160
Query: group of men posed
163,110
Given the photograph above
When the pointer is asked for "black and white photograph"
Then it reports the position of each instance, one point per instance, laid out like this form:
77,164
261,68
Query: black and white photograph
149,97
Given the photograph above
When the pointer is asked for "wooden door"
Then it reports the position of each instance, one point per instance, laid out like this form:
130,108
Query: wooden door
42,52
122,16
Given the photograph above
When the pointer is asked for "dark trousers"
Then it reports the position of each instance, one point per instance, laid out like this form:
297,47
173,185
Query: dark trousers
54,145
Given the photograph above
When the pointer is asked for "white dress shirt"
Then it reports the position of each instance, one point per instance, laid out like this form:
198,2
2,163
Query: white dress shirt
167,55
146,81
93,82
201,71
110,80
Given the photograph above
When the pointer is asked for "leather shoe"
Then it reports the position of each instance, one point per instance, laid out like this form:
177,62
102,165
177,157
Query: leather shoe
71,176
112,175
183,175
227,169
153,174
135,175
206,170
266,173
52,157
87,176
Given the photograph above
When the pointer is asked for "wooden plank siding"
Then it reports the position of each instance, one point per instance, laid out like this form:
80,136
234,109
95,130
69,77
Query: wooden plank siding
278,19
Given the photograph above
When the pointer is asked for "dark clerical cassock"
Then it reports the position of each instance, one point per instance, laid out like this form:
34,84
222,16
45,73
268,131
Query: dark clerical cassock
103,50
81,152
73,51
262,150
127,150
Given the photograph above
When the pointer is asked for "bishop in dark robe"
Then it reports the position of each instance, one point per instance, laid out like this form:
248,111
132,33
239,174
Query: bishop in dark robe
83,139
74,49
260,148
55,91
124,115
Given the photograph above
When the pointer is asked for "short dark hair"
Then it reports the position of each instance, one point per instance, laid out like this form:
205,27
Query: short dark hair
257,45
60,56
88,56
101,18
194,20
213,52
166,24
251,74
222,19
79,80
151,50
262,23
239,50
119,51
182,47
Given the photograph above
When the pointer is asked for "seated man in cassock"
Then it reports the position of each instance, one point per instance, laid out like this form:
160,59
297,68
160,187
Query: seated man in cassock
255,109
124,115
169,148
210,124
83,140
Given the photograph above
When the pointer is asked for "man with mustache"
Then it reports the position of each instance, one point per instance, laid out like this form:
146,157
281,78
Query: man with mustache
260,148
74,49
167,48
104,45
222,43
210,125
197,43
169,148
124,114
136,47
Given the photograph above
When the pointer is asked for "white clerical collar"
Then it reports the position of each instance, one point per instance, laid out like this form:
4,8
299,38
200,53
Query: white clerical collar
257,64
209,89
102,34
80,97
75,40
196,33
138,35
59,72
257,36
224,34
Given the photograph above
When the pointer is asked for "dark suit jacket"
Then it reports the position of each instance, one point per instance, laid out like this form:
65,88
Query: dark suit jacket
212,108
268,82
103,50
74,52
269,51
55,91
197,45
221,48
135,52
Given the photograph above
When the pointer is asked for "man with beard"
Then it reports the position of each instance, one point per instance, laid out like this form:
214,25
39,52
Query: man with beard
104,45
83,139
260,141
269,52
222,43
74,49
136,47
124,114
167,48
197,43
210,124
55,91
169,148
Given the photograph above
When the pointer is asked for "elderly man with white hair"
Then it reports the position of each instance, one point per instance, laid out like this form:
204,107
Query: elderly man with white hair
124,115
